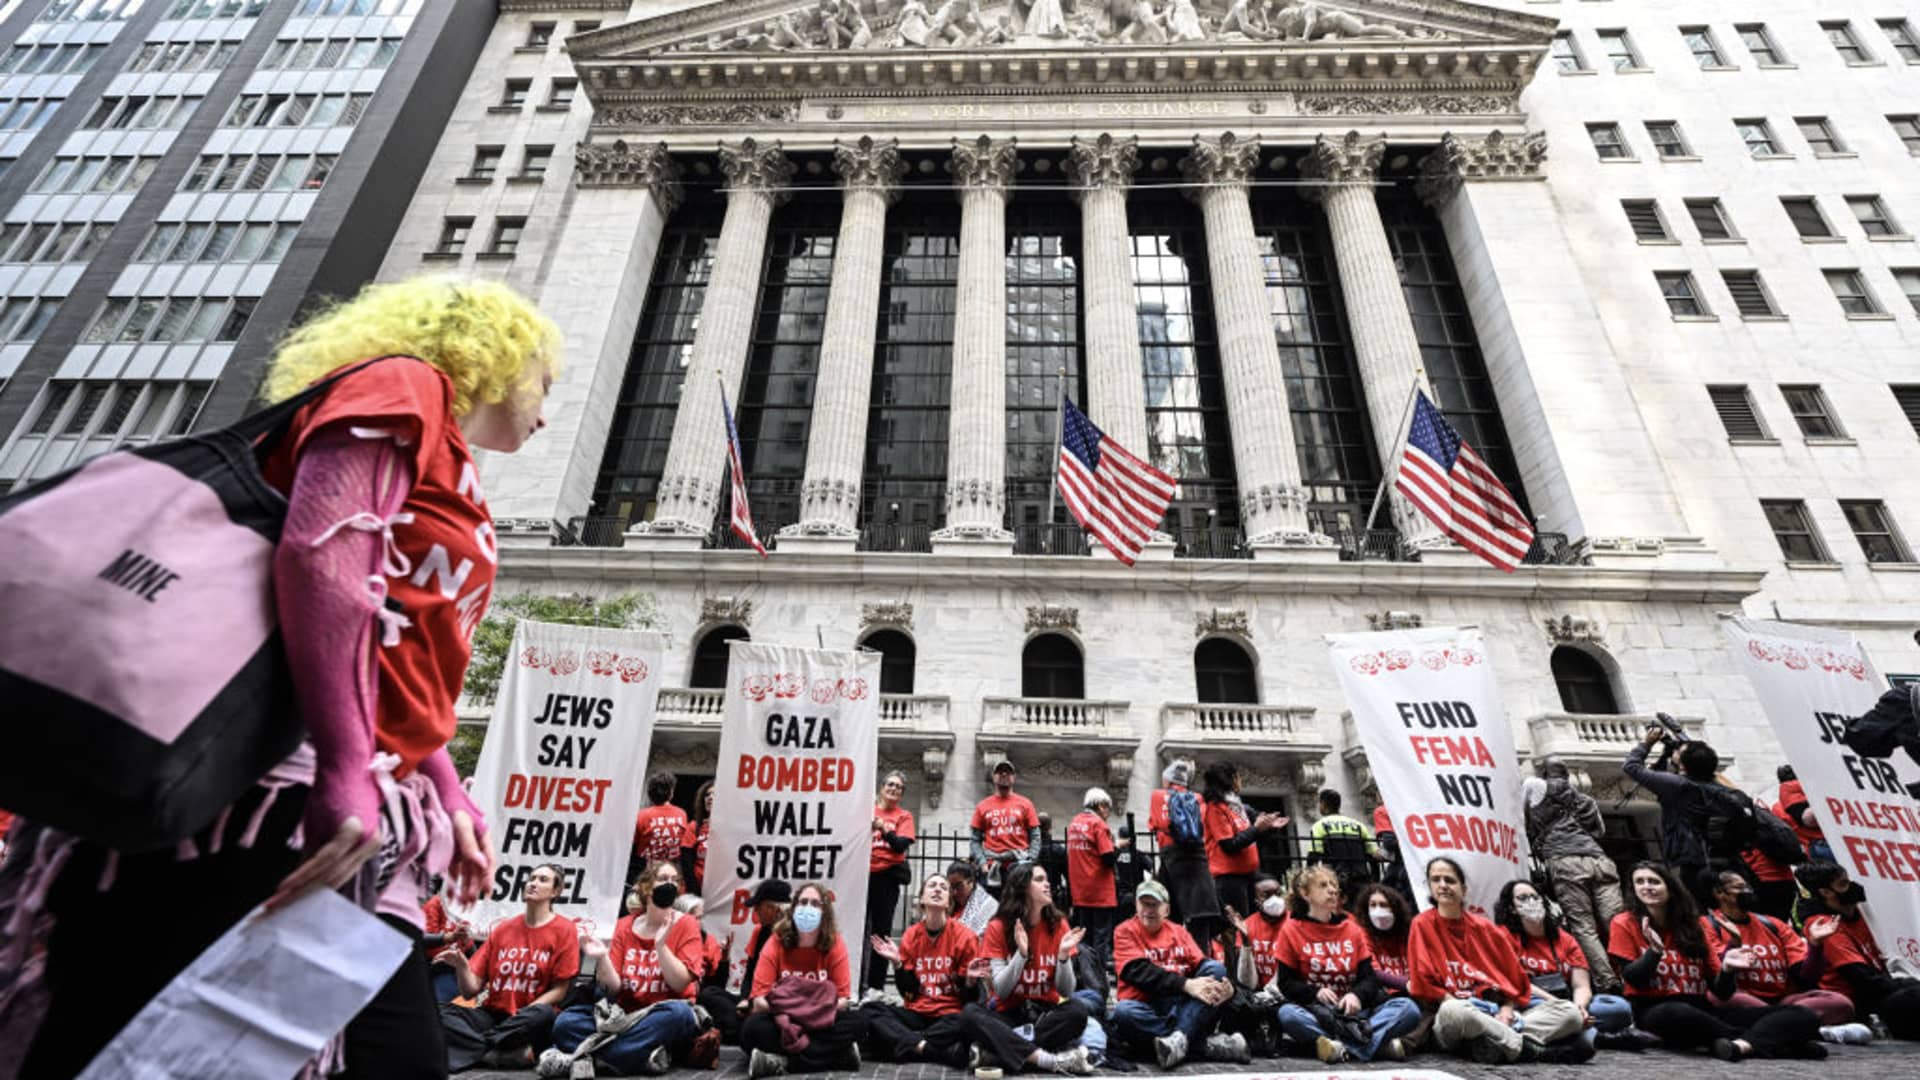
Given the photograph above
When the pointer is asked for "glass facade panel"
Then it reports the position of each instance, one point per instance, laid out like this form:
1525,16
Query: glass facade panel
1044,336
905,479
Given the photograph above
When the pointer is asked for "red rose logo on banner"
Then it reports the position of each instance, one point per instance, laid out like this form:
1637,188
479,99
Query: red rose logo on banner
601,662
534,657
632,669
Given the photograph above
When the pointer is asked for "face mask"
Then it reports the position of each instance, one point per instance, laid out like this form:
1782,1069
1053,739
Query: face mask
1740,900
806,919
1274,907
1381,917
665,893
1853,894
1530,909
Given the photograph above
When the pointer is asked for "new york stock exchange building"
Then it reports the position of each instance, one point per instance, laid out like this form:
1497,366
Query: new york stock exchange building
893,232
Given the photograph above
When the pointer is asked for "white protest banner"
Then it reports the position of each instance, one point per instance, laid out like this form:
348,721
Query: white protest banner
1428,711
1811,680
793,794
560,773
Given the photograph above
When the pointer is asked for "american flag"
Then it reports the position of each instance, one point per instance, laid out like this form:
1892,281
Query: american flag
1112,494
1442,476
742,519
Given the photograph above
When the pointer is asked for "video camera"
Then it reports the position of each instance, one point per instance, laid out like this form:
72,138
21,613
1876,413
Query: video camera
1672,738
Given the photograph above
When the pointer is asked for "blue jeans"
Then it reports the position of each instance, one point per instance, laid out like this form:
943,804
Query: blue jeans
1392,1018
668,1023
1137,1023
1611,1013
1095,1037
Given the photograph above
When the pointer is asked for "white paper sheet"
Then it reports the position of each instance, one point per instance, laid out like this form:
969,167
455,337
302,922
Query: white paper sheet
262,999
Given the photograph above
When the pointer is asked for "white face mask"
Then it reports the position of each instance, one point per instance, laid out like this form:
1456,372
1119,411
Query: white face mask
1530,908
1382,917
1274,906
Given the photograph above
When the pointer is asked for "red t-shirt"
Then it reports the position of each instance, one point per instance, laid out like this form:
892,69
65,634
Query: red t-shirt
1222,820
1091,878
1389,957
1170,948
1325,954
1468,953
1775,947
1851,944
1005,820
446,550
1677,975
804,961
900,820
713,955
1557,955
1263,935
658,832
637,959
1763,866
519,962
1157,815
695,837
1036,979
1792,794
940,963
1382,821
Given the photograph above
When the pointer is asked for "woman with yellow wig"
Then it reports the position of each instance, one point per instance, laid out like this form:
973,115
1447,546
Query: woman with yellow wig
384,567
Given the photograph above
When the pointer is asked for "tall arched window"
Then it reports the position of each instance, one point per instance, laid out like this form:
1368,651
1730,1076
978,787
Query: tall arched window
1224,673
710,657
1050,667
1585,686
896,660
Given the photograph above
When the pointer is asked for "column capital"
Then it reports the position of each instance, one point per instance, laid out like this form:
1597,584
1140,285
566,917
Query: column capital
1497,156
1103,162
757,166
1226,161
867,165
623,164
1347,159
983,163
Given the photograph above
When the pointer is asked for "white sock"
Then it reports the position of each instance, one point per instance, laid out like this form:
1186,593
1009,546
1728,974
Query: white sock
1042,1059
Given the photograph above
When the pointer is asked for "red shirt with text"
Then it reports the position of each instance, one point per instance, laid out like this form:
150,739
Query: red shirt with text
1088,874
637,959
1775,946
900,820
518,963
658,832
1467,954
1036,979
1221,820
1263,936
1677,975
1170,948
803,961
1005,819
1325,954
940,963
1557,955
1851,944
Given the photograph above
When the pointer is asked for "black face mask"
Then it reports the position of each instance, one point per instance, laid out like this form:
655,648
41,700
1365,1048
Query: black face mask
1741,901
1852,894
664,894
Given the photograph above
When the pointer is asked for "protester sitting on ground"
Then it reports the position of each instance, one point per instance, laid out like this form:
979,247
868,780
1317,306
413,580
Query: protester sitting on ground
660,829
1344,844
523,969
1169,995
1793,807
1386,915
1032,950
1784,971
938,964
972,906
1091,855
1005,827
1324,968
653,963
765,907
887,871
1468,971
1855,966
1250,964
1231,834
1557,967
1663,956
1564,829
806,944
693,843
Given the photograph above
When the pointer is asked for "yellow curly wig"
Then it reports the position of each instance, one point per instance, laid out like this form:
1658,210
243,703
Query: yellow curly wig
486,337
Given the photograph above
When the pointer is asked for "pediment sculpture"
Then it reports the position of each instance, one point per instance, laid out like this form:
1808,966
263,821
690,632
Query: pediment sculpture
842,25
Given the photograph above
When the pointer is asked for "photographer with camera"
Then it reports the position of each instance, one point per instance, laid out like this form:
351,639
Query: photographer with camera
1892,724
1705,823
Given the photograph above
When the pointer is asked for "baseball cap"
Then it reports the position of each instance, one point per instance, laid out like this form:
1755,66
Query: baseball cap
771,890
1151,888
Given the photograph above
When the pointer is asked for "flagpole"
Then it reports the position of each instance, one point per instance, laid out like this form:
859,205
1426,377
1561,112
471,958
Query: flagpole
1053,482
1392,464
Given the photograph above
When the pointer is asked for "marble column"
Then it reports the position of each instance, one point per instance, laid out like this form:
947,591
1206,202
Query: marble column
690,486
1384,346
1273,504
977,423
602,262
870,174
1102,170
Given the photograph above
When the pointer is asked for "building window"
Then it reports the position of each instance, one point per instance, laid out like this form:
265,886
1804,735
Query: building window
1711,219
1566,53
1617,47
1667,140
1223,674
1907,129
1808,221
1608,142
1734,404
1872,214
560,94
1908,278
1908,398
1820,135
1683,299
534,162
506,235
1873,527
711,657
905,477
581,26
486,161
1793,530
1760,44
1044,338
1584,685
515,94
896,660
539,35
1900,33
1706,52
1051,667
1643,217
1851,290
1810,410
1846,42
1750,297
453,235
1758,135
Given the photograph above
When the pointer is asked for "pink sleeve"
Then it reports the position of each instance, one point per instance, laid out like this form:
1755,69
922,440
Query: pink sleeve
329,589
439,771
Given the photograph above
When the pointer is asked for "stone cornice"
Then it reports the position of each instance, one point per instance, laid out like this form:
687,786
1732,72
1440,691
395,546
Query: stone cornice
1227,160
563,5
1103,162
621,164
1497,156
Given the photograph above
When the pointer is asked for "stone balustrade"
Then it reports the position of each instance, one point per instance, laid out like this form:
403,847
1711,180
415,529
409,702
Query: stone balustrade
1059,716
1237,723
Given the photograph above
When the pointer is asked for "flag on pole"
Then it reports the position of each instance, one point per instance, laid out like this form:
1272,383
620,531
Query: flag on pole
742,517
1112,494
1440,474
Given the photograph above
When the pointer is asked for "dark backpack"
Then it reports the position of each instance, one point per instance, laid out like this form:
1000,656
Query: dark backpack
1724,820
1776,839
1183,818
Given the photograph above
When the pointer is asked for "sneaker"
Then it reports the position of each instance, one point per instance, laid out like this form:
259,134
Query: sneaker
658,1062
1847,1034
1228,1046
761,1063
960,1056
874,994
1570,1051
1632,1040
1393,1050
1329,1051
1170,1050
1727,1050
1075,1062
1530,1049
850,1058
976,1057
1487,1050
1811,1051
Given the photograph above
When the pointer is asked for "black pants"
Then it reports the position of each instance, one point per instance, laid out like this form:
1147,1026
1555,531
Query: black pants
883,898
1900,1011
1098,923
195,901
825,1049
895,1034
1780,1031
1055,1029
472,1032
1235,891
724,1006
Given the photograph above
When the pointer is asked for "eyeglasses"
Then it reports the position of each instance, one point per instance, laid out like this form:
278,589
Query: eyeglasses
810,903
